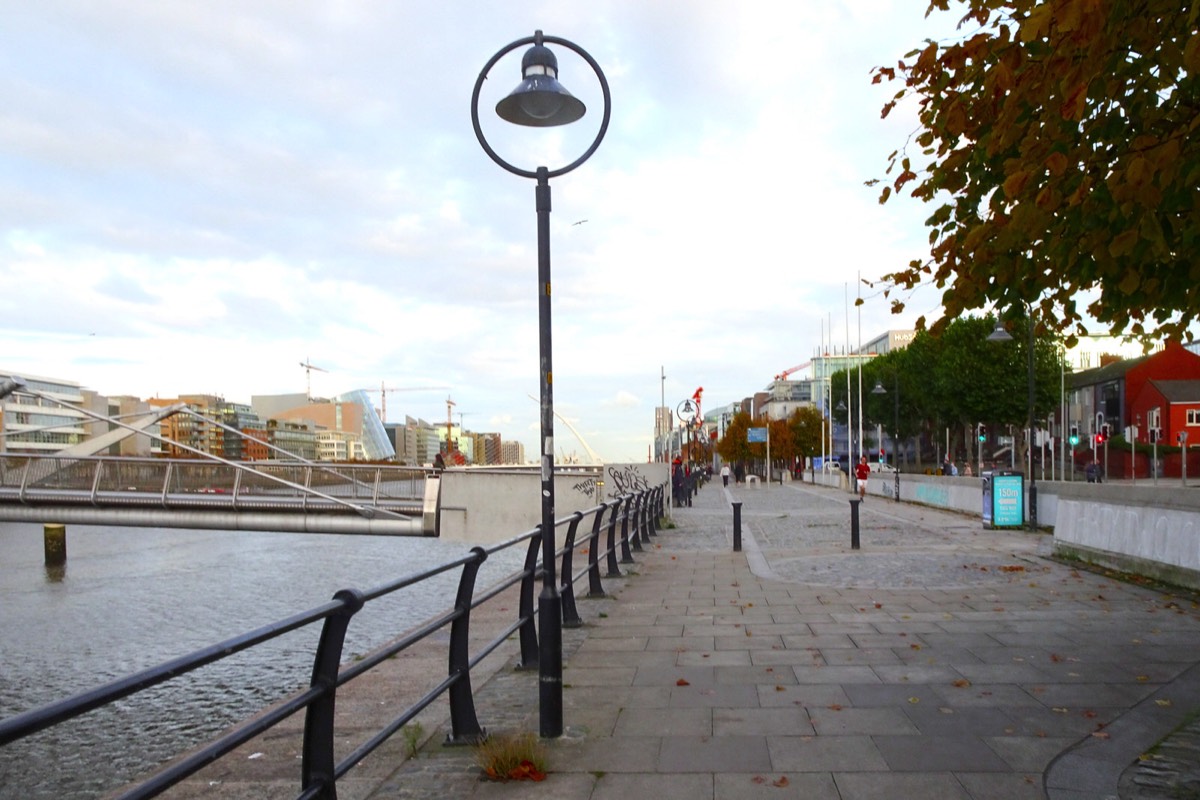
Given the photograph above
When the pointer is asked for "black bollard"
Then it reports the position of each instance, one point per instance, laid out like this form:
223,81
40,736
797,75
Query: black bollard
737,527
897,486
1033,523
854,523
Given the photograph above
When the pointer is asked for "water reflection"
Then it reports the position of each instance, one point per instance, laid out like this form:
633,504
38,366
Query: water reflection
139,596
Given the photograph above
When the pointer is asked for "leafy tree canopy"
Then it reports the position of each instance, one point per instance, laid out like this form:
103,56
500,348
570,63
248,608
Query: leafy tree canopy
1062,149
733,446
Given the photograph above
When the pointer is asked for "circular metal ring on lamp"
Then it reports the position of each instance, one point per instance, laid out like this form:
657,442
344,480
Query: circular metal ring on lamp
487,148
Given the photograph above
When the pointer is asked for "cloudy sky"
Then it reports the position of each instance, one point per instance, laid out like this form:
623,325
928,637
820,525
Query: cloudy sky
199,196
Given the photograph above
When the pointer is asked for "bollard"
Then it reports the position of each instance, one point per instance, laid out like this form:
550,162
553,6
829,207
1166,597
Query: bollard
737,527
854,523
54,540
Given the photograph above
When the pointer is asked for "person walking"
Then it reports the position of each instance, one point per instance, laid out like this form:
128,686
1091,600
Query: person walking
861,473
725,475
677,481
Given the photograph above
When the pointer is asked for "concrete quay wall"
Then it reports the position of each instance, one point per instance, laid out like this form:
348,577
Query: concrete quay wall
485,506
1147,529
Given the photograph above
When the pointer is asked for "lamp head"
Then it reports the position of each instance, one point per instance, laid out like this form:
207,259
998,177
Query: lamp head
999,334
11,384
540,101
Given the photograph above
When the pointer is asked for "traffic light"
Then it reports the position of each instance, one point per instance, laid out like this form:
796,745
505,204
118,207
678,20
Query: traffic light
982,433
1102,436
1155,435
1074,439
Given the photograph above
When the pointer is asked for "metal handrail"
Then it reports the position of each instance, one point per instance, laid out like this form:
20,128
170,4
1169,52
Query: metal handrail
319,771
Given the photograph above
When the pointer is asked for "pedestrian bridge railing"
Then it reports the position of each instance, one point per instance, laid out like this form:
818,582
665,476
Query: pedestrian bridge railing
198,484
624,524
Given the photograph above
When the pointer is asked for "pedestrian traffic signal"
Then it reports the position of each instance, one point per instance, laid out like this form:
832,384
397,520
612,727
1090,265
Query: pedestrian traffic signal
1074,438
1102,434
982,433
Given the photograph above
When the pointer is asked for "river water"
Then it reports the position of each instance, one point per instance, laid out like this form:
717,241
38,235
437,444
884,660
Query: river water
131,598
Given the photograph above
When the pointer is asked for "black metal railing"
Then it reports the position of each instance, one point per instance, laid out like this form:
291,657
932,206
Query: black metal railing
635,516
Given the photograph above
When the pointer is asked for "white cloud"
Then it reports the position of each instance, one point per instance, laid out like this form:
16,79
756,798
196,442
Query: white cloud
199,197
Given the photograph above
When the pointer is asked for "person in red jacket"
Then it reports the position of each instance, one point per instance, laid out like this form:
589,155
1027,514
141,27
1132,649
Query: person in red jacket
861,472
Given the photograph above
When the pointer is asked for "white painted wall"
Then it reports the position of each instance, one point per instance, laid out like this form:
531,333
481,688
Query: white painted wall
481,506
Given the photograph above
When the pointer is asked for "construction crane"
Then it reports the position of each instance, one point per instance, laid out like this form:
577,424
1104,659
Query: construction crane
308,368
383,391
783,375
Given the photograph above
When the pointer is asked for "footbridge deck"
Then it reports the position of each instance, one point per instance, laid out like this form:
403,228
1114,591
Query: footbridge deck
274,495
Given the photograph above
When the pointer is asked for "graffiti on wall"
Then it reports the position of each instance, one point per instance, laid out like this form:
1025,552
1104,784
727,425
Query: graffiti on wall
587,487
626,479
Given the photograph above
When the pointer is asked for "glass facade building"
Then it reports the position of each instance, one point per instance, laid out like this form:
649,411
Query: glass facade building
30,424
377,446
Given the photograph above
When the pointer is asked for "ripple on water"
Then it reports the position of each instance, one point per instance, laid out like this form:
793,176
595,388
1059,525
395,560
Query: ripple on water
131,598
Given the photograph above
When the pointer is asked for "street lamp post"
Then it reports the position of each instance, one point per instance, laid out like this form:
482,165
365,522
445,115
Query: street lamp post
540,101
849,430
1001,335
896,426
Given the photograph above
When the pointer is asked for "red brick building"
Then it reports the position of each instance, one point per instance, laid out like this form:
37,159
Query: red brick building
1159,392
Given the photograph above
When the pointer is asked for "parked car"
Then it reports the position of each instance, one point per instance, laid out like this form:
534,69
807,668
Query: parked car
877,466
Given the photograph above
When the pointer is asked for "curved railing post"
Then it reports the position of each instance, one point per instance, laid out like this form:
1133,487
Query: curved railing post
529,641
317,765
626,556
566,592
595,587
652,510
644,516
613,570
635,523
464,726
629,530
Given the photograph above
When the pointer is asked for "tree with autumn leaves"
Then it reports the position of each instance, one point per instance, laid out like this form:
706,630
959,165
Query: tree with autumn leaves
797,437
1059,148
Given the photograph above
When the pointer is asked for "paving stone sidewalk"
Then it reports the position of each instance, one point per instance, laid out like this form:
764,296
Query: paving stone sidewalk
939,660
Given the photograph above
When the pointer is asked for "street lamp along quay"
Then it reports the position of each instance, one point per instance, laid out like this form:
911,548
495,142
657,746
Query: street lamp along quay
1002,335
540,101
895,429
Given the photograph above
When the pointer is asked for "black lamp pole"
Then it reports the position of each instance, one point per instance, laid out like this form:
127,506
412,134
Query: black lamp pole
1001,335
1033,515
895,426
540,101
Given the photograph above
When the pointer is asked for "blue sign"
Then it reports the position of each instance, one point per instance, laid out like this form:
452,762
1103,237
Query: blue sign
1008,500
756,435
